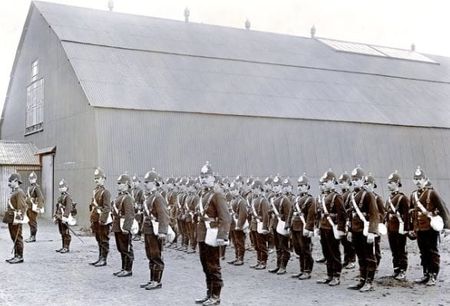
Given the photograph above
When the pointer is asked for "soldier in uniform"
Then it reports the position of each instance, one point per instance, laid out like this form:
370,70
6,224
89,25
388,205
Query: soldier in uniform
123,216
364,220
63,210
212,211
101,218
301,221
281,205
171,199
238,220
190,203
35,201
397,221
138,196
181,215
332,227
349,251
268,194
370,185
14,216
427,205
155,212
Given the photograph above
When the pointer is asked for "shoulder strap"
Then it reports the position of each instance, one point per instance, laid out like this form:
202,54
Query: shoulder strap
356,207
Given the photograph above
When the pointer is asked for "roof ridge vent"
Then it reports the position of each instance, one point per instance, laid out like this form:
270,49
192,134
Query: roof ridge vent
187,13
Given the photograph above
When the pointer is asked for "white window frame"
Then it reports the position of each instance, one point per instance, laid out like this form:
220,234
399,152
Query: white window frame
34,70
34,119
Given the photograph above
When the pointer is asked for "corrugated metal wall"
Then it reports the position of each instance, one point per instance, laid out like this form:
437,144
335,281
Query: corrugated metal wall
68,117
179,144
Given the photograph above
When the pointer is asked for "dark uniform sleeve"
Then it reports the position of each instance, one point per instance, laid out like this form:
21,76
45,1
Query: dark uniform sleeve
161,214
440,208
341,216
128,212
285,207
311,214
224,218
404,211
39,196
265,217
372,211
289,216
242,217
67,206
105,206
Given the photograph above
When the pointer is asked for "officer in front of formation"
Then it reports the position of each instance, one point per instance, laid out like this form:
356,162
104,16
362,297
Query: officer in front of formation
123,217
364,219
213,212
101,217
155,227
35,201
14,216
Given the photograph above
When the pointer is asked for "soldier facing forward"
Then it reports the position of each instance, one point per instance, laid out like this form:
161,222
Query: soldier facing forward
155,226
213,214
35,201
14,217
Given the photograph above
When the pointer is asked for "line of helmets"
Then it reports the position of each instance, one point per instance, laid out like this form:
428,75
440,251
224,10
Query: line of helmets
326,181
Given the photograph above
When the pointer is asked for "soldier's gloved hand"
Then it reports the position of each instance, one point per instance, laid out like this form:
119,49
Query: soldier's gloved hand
220,242
162,237
316,232
349,236
341,233
308,233
370,238
264,232
237,228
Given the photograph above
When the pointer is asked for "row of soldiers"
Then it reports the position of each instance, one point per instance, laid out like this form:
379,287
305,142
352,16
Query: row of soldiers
347,211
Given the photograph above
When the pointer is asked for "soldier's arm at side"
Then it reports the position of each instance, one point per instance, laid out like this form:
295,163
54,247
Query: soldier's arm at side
162,215
372,213
242,214
224,218
311,216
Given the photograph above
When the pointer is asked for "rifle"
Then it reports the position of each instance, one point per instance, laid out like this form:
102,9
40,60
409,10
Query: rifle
71,230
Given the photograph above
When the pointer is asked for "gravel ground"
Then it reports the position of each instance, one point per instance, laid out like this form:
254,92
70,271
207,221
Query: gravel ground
49,278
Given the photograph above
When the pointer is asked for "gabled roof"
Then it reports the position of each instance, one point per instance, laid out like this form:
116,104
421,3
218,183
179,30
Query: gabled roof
136,62
18,153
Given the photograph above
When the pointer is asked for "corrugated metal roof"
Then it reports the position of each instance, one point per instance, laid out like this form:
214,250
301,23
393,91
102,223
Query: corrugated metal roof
137,62
18,153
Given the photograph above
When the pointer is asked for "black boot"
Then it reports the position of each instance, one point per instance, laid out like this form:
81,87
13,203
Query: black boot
424,279
149,282
32,238
215,296
432,279
205,298
99,257
101,262
156,283
368,286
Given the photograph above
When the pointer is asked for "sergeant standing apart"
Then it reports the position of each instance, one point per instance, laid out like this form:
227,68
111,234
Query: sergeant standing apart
301,221
101,218
156,214
364,220
349,251
428,206
281,205
123,216
35,201
332,226
14,216
63,209
212,211
397,221
138,196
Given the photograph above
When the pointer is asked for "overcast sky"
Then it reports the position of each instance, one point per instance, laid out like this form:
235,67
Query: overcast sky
394,23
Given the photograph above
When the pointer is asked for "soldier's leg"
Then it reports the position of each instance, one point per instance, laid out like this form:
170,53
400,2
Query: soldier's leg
349,253
214,269
377,250
336,260
371,261
278,251
296,241
262,245
422,244
358,240
434,257
67,236
393,239
327,253
32,216
402,252
240,237
203,254
192,239
307,255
